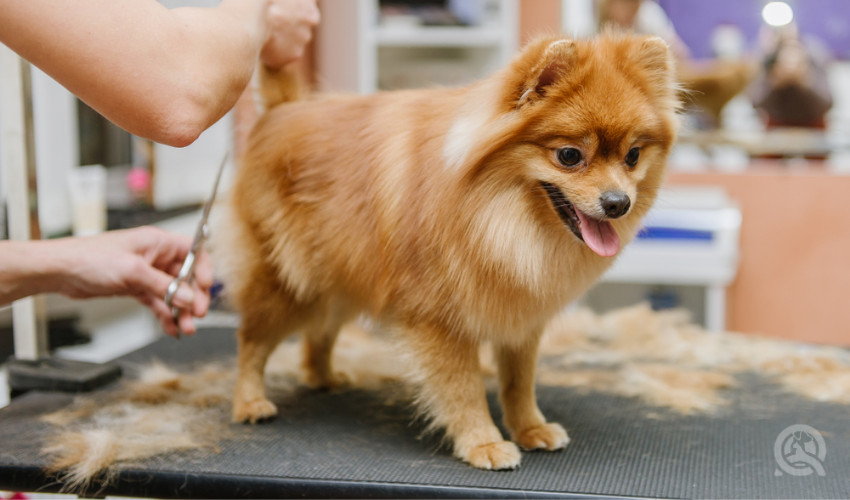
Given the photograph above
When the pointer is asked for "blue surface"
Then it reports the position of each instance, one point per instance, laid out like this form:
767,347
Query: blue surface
671,233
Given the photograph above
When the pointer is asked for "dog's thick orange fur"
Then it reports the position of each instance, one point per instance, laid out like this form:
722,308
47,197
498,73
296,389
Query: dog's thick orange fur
425,210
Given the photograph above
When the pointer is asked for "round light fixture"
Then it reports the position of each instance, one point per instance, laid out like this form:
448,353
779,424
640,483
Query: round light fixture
777,13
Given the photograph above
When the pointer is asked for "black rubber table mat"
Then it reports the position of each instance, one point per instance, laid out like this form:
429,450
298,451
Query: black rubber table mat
352,444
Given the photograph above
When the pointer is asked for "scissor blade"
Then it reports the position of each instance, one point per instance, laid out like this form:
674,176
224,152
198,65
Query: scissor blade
210,201
187,270
200,232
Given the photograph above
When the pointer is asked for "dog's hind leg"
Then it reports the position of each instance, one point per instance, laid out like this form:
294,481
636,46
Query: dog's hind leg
319,339
268,322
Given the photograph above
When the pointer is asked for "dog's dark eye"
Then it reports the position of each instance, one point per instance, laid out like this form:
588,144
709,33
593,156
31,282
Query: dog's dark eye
569,157
632,157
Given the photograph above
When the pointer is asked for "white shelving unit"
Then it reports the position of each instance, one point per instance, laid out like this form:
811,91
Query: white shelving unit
710,263
578,18
360,52
438,36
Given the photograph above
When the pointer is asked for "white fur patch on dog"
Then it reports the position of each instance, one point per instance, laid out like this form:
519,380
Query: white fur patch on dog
462,137
471,127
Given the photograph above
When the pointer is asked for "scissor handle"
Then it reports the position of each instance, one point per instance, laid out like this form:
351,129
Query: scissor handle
184,276
187,270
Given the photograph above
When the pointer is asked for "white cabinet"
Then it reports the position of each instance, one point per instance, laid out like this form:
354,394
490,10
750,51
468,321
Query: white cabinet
359,49
691,237
578,18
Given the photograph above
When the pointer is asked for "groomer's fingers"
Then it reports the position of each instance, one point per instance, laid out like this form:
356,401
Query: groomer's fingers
186,323
291,23
168,325
165,316
203,270
202,301
174,268
161,311
152,281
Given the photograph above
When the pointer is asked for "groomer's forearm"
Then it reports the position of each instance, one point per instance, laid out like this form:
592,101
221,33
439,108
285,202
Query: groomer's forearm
27,268
227,43
162,74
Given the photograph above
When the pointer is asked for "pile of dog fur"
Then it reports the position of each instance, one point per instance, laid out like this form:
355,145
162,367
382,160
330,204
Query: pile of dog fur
658,357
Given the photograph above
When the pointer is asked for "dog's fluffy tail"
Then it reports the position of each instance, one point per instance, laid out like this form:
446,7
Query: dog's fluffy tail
278,86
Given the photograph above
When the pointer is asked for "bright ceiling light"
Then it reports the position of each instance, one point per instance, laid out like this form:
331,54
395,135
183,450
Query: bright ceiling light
777,13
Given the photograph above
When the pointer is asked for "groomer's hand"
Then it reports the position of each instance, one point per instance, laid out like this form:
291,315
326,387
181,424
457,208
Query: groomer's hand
140,263
290,24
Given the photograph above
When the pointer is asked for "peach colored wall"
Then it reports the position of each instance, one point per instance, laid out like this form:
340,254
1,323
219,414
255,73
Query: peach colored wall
794,275
538,17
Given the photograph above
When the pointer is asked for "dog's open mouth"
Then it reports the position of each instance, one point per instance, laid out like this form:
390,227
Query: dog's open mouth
598,235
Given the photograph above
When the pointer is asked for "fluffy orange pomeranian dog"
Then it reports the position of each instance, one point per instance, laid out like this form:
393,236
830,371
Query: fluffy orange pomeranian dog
450,216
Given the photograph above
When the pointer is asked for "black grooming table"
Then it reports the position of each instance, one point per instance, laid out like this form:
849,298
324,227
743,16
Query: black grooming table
353,444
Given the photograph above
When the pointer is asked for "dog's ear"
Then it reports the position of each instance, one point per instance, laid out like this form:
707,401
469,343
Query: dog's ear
546,69
655,57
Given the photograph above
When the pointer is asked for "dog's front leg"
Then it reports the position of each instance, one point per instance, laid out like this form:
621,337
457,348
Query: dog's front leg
454,396
522,417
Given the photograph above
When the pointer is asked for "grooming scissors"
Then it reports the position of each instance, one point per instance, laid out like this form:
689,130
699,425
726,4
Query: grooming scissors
187,270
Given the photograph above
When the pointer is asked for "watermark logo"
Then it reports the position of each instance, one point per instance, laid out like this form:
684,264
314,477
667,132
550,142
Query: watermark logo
799,451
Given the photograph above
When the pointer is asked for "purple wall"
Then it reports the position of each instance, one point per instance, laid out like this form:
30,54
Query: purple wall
694,20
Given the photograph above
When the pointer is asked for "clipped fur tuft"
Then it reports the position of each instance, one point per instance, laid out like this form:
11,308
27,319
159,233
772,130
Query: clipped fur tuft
660,358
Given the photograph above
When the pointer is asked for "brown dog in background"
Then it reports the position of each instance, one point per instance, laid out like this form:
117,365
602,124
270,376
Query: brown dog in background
452,216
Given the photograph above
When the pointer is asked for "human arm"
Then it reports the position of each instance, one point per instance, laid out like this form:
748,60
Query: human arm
138,262
163,74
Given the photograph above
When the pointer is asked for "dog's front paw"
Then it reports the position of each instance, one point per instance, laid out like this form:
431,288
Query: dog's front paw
549,436
494,456
253,411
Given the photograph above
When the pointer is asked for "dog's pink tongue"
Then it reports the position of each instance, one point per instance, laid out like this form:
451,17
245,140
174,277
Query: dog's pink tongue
599,235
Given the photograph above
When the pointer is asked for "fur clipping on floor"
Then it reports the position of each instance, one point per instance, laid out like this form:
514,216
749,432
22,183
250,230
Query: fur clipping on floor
160,412
665,360
659,357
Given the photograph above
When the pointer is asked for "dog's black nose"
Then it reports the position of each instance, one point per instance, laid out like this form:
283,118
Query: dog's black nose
615,203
